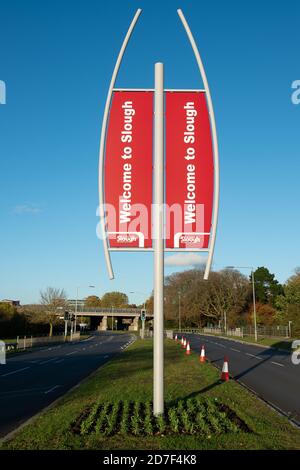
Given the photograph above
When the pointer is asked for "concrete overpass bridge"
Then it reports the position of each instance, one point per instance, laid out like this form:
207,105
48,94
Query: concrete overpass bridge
122,318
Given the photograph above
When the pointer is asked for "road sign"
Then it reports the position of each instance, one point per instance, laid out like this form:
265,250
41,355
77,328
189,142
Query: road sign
189,171
128,170
130,134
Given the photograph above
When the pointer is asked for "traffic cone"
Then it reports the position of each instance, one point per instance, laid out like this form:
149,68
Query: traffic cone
225,373
188,349
176,338
184,343
181,341
202,357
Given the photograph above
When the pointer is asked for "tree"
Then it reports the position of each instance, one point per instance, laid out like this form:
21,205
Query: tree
288,304
6,311
93,301
114,299
224,294
265,314
53,300
267,288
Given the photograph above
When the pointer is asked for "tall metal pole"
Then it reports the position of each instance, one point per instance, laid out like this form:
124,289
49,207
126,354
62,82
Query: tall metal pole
76,308
179,311
66,329
158,218
254,305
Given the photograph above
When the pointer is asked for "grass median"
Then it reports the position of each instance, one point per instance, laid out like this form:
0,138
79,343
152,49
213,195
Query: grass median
226,415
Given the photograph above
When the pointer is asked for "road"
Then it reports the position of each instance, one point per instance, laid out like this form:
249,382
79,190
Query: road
31,381
269,373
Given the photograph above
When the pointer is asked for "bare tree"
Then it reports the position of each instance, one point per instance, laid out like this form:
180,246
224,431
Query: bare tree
224,294
53,300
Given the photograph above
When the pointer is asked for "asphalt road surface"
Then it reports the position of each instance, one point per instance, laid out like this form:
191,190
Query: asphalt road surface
31,381
267,372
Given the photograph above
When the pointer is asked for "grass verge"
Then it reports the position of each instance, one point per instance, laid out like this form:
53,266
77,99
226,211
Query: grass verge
128,378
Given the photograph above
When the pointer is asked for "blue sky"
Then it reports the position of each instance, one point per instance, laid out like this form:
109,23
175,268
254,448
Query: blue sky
56,60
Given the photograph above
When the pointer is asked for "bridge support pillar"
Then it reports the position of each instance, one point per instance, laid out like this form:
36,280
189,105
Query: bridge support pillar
103,324
134,325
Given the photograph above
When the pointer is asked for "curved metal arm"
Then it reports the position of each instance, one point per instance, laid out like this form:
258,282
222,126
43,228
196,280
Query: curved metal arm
215,145
102,143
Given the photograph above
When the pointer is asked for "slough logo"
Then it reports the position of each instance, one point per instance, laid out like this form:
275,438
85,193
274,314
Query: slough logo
190,239
2,92
127,238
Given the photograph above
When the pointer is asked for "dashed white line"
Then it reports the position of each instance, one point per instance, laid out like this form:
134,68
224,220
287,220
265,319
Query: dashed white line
52,389
69,354
236,350
49,360
15,371
105,357
258,358
58,362
277,364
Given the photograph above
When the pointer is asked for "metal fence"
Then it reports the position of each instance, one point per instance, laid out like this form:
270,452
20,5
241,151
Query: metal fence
31,341
262,331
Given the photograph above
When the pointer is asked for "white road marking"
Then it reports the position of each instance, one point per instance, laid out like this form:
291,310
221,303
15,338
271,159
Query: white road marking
51,389
277,364
105,357
48,360
15,371
253,356
58,362
236,350
69,354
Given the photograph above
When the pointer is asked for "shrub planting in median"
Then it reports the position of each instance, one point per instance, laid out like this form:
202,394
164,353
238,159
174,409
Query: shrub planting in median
204,416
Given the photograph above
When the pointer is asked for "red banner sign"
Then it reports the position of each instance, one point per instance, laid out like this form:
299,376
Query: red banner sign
128,170
189,171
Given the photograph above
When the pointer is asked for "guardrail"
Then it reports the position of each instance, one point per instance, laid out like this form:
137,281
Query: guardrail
80,309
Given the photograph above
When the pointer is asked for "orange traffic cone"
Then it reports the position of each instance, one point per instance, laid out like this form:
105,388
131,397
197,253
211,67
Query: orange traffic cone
184,343
181,341
188,349
225,373
202,357
176,337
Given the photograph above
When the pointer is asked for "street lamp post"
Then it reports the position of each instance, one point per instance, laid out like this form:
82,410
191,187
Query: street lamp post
290,328
179,311
253,294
